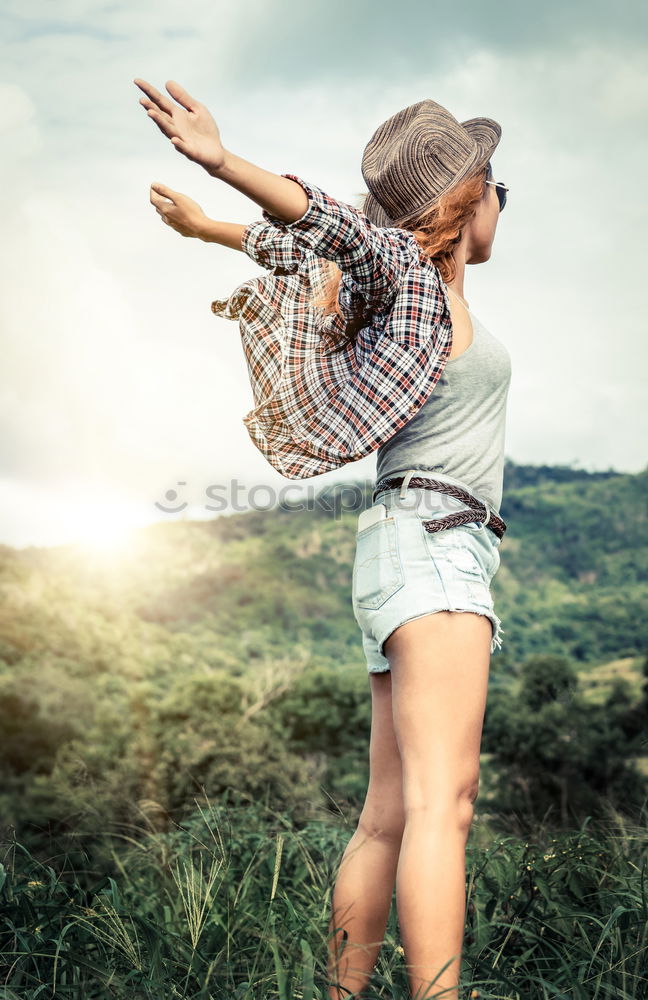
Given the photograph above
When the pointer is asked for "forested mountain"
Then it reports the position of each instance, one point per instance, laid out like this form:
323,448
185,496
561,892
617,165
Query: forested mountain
224,654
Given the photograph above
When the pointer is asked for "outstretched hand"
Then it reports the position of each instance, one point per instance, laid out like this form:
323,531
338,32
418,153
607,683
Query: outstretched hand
187,123
178,211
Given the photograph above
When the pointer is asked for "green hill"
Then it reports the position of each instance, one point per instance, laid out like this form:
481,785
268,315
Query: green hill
224,654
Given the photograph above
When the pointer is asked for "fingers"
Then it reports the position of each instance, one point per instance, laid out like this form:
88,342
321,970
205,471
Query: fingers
181,95
163,103
161,194
149,105
164,123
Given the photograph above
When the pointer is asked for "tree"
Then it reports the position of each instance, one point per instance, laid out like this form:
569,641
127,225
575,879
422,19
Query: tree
555,752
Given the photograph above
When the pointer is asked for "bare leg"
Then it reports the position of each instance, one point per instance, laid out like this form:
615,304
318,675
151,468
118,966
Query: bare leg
439,666
365,884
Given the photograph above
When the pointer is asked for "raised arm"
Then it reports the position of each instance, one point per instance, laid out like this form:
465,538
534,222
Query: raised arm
261,241
189,125
186,216
228,234
377,259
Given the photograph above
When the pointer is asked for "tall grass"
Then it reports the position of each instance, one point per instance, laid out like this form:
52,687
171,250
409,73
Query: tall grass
235,903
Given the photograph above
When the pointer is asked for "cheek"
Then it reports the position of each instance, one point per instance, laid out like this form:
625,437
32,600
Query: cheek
487,229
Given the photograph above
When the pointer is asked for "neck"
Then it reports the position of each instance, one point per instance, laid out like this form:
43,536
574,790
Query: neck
457,283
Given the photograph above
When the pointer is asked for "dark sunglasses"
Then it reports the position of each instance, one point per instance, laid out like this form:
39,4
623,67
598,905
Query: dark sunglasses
500,190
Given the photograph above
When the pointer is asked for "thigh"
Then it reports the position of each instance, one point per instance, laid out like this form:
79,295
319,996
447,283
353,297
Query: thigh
439,666
382,813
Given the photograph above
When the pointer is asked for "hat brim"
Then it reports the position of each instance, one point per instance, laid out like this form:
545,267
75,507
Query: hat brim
485,133
376,213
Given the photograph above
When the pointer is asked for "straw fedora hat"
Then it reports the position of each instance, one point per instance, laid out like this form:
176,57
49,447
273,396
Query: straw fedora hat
417,155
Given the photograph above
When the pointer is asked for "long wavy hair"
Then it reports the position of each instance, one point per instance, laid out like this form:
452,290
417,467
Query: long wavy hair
438,230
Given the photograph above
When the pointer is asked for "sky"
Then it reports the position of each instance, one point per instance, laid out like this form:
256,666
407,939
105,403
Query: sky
123,393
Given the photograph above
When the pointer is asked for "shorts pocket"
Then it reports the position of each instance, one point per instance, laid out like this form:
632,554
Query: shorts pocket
477,529
377,568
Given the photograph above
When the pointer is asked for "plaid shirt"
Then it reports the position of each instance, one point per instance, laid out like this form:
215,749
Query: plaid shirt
316,410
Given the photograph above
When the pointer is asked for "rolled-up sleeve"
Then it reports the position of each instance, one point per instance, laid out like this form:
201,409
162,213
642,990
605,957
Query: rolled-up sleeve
272,247
375,258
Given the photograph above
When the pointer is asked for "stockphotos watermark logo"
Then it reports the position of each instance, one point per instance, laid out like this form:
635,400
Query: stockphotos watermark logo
238,497
337,499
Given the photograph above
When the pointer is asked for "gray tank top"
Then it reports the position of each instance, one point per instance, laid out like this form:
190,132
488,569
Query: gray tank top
458,433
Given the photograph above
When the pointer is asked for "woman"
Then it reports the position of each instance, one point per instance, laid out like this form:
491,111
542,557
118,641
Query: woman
427,549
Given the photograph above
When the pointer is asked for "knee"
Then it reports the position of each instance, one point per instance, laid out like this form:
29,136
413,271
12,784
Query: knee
466,805
388,827
448,805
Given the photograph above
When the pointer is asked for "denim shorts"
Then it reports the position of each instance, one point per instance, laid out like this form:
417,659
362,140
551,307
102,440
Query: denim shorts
401,571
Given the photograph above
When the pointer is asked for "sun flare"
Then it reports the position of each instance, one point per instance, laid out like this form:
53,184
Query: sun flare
104,531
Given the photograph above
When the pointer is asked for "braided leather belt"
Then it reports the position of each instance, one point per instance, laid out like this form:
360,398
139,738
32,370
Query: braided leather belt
491,520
